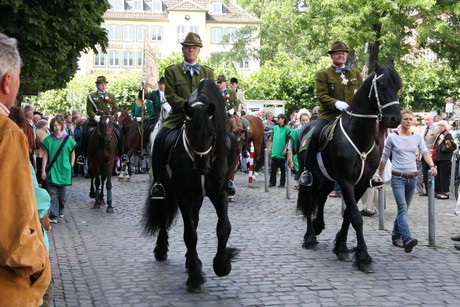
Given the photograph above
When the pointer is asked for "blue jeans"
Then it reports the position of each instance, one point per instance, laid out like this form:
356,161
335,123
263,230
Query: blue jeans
403,191
58,198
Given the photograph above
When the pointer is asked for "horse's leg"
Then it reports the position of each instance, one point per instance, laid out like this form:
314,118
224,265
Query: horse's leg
109,191
196,278
321,198
92,193
222,264
97,203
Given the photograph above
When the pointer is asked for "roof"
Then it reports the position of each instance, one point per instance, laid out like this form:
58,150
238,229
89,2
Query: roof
231,12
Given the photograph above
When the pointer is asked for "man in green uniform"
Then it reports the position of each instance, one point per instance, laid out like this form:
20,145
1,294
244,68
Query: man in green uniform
152,107
181,80
335,88
231,101
96,101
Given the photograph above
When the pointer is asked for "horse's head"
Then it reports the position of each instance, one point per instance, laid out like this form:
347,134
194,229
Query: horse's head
235,126
105,125
122,118
380,92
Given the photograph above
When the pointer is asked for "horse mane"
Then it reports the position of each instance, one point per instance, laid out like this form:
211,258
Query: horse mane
208,93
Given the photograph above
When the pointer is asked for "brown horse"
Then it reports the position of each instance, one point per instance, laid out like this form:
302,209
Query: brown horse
234,125
102,147
255,134
132,140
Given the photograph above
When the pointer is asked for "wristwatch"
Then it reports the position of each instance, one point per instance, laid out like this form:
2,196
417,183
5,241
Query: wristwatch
433,166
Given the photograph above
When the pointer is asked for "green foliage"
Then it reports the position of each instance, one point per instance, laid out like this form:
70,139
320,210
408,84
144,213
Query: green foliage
51,37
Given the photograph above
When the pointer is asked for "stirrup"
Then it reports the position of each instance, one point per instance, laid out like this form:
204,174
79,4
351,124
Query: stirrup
157,191
306,179
80,160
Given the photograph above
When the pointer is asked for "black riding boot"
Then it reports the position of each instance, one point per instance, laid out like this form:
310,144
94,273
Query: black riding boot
306,178
157,190
83,145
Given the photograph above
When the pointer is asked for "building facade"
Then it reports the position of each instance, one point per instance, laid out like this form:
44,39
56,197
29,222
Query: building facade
164,24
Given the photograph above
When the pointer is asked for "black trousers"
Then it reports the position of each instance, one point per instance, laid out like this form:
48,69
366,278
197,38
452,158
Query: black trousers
281,164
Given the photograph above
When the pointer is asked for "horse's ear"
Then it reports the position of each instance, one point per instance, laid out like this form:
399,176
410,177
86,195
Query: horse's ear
392,63
211,109
187,108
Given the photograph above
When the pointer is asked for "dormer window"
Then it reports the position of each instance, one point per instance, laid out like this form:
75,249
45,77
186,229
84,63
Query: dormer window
157,6
119,5
138,5
216,8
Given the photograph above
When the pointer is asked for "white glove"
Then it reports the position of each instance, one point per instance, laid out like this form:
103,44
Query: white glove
231,111
143,80
341,105
97,118
139,119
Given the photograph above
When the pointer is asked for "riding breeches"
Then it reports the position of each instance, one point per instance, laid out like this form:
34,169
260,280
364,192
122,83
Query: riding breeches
314,142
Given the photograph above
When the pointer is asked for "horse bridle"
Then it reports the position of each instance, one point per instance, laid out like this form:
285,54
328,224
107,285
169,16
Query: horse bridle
379,105
363,155
99,129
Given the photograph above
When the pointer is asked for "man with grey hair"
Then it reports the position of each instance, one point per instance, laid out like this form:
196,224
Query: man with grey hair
429,135
24,262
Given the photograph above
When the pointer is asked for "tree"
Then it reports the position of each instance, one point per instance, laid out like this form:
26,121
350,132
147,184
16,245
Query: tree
51,36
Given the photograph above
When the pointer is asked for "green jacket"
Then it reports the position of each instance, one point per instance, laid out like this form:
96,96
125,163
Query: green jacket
329,89
152,106
110,106
179,86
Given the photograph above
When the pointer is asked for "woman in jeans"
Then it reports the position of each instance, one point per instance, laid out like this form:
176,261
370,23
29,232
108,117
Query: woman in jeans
402,146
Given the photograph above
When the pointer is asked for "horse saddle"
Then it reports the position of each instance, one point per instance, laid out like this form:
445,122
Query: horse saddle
327,134
168,142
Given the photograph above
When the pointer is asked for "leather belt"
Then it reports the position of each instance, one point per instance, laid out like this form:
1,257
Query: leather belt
405,175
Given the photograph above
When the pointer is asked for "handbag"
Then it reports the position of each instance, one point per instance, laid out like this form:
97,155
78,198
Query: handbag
43,183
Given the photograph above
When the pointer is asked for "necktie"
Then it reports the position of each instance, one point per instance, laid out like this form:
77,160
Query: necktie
426,131
195,68
342,69
224,93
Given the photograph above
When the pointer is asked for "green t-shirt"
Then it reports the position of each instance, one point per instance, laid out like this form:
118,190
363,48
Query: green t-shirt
60,173
295,147
279,141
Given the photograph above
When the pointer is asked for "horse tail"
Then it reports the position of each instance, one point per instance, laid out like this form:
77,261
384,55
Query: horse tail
159,214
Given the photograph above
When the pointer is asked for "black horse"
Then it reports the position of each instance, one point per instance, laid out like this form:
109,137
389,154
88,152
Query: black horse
199,164
351,159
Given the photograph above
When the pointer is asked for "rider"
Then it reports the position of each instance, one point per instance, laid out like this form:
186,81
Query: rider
152,102
96,101
181,80
231,101
335,87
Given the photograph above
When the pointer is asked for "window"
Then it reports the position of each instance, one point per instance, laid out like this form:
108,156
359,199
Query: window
216,8
114,58
119,5
180,34
99,59
230,34
216,35
114,32
128,59
140,32
244,64
156,33
193,29
140,59
138,5
157,6
128,33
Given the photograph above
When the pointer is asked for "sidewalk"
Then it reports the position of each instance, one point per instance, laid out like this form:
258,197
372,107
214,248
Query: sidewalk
101,259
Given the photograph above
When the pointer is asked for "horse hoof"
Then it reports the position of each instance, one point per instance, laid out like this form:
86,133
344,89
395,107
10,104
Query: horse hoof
344,256
310,244
231,199
126,179
109,210
160,257
120,178
193,289
92,194
366,267
96,206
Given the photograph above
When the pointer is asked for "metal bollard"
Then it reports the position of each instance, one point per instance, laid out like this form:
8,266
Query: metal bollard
431,211
266,168
452,174
382,208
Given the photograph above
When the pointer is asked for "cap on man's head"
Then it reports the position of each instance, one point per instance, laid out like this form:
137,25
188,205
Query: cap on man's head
221,78
162,80
101,79
338,46
234,80
192,39
281,115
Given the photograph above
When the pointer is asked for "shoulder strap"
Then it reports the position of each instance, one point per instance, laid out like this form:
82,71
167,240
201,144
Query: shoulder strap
92,102
48,167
